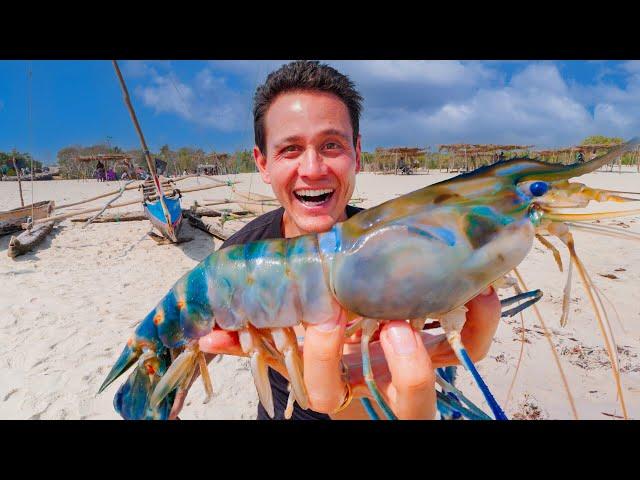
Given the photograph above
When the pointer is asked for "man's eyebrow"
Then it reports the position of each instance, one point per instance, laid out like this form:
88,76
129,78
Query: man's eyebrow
329,131
334,131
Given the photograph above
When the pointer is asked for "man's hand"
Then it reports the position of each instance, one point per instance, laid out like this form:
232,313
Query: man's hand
403,360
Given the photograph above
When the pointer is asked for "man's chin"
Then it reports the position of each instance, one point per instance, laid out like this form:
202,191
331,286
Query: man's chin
316,224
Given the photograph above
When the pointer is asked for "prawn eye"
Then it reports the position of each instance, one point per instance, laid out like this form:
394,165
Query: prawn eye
539,188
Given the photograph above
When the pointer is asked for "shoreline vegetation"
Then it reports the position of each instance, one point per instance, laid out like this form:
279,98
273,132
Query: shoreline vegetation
381,160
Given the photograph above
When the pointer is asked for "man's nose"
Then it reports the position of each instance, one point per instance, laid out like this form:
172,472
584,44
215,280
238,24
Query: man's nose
312,164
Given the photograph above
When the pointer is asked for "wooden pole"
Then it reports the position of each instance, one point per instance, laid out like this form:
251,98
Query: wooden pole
147,155
19,181
64,216
130,187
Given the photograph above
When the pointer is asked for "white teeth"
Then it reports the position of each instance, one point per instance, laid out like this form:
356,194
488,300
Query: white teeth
314,193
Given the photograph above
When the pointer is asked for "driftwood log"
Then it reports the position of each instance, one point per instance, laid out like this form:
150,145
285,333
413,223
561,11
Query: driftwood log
139,216
114,217
29,239
196,222
11,227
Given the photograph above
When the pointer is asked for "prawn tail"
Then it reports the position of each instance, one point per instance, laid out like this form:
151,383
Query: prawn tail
133,399
127,358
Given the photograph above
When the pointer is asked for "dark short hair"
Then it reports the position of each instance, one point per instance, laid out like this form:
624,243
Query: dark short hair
304,75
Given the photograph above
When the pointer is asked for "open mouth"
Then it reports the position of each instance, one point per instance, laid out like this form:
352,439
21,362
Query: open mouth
314,198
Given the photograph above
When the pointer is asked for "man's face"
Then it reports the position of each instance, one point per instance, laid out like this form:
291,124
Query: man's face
310,161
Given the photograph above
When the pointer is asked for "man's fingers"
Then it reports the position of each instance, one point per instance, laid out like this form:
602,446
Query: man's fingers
482,322
322,371
221,341
411,370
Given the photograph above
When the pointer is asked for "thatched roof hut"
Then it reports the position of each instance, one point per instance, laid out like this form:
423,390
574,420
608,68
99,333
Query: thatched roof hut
389,160
117,158
463,156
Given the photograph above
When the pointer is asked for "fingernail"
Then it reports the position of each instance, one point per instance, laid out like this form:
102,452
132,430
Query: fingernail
329,325
487,291
401,338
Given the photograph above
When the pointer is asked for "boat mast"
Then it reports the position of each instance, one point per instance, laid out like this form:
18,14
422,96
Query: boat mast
15,167
147,155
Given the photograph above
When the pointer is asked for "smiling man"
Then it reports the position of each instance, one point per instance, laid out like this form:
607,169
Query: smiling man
307,147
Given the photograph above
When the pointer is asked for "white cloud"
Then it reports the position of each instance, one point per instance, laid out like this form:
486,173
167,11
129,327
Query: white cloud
436,73
421,102
632,66
168,95
537,106
209,101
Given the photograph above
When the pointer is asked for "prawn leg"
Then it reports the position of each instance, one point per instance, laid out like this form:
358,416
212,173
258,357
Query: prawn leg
287,344
253,347
369,326
452,323
179,374
534,295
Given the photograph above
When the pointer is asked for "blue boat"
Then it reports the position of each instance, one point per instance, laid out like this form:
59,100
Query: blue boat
156,215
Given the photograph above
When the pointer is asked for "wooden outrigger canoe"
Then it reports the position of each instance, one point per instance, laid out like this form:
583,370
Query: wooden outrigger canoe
11,220
155,213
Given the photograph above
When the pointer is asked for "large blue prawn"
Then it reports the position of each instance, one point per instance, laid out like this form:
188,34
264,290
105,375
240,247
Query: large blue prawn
420,256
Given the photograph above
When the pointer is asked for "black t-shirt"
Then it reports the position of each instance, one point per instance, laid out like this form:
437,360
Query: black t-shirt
264,227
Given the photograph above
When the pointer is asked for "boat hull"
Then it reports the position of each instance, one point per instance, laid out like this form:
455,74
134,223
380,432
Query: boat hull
11,220
153,211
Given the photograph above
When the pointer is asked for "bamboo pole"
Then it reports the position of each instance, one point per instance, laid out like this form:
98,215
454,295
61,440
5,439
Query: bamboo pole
19,181
195,189
122,189
229,200
64,216
130,187
145,149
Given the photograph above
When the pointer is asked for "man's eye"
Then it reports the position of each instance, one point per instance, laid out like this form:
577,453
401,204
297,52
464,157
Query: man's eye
290,148
332,145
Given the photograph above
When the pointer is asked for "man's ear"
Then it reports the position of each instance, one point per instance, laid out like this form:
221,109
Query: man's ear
358,154
261,163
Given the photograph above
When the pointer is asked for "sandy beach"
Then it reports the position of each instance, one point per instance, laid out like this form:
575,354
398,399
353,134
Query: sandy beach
67,309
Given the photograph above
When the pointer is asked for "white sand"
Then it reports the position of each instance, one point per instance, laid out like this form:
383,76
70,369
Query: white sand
67,309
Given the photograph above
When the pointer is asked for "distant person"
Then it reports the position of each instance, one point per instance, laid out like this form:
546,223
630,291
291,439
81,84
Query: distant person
580,157
111,175
124,176
100,172
501,157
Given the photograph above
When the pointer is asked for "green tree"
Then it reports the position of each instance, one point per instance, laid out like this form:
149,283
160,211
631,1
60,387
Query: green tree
601,139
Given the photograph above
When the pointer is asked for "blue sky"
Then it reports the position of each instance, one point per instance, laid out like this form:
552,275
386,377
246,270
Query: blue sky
207,104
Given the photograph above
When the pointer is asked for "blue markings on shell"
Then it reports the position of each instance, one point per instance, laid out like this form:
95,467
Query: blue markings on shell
147,330
169,329
196,316
330,241
227,284
434,233
539,188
